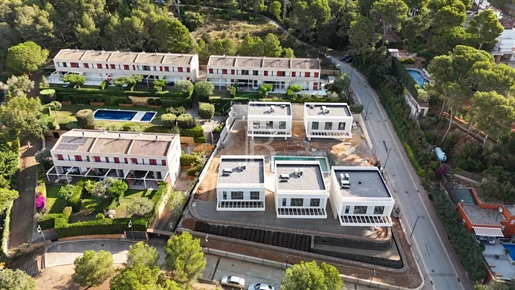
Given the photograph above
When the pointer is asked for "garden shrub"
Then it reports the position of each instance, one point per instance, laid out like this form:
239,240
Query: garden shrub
47,221
201,139
185,121
408,60
65,229
356,108
85,119
103,84
188,159
219,128
47,96
67,212
176,110
193,171
75,199
196,131
150,102
168,120
206,111
100,216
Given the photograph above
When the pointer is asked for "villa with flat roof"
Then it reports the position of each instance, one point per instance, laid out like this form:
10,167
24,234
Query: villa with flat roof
269,119
141,157
241,183
98,66
359,196
300,190
328,120
250,72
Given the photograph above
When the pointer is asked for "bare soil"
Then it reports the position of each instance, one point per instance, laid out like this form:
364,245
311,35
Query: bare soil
234,29
352,152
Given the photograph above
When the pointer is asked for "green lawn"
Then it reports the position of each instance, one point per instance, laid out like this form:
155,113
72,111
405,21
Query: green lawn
54,203
129,196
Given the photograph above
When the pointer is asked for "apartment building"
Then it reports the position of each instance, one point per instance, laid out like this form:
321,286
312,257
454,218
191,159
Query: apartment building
241,183
269,119
107,65
359,196
138,157
300,190
251,72
328,120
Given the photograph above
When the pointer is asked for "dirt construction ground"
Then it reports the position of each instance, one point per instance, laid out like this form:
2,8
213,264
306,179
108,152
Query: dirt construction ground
351,152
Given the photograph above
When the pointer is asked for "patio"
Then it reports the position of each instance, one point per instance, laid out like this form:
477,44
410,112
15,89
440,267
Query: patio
498,262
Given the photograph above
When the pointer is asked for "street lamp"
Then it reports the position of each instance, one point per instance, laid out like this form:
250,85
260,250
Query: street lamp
387,156
286,262
366,111
207,241
413,229
41,232
130,227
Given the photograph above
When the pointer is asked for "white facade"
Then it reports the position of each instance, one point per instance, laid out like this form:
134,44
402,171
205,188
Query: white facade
359,196
300,190
327,120
505,46
251,72
241,183
269,119
133,156
107,65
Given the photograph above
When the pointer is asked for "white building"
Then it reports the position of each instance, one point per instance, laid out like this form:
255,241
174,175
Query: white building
269,119
300,190
360,197
241,183
327,120
107,65
251,72
140,157
505,46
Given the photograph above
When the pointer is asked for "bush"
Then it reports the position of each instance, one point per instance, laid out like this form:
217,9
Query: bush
97,226
47,221
206,111
168,120
67,212
176,111
100,216
75,199
204,90
103,84
47,95
85,119
199,139
196,131
356,108
194,171
185,121
140,206
408,60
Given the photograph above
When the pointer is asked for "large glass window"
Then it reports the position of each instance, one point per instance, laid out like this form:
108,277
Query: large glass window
236,194
284,202
297,202
314,126
269,124
254,195
359,209
379,210
256,125
347,209
341,126
282,125
224,195
328,125
314,202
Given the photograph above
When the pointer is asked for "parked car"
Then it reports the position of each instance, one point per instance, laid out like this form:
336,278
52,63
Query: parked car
349,59
233,281
343,58
261,286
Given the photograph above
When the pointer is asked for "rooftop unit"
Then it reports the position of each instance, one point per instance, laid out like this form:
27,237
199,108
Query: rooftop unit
242,166
226,171
325,110
344,180
299,172
272,108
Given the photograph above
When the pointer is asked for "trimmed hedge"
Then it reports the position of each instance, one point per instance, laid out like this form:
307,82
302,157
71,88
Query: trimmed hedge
185,121
85,118
168,120
75,199
47,95
47,221
187,159
206,111
201,139
403,76
196,131
64,229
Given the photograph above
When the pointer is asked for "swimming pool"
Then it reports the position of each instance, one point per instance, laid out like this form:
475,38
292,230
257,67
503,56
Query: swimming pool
324,163
124,115
510,247
418,77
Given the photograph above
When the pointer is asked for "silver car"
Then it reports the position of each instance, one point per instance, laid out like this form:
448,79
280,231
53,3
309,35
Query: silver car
261,286
233,281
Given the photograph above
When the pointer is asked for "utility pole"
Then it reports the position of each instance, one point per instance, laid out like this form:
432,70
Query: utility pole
40,231
413,229
387,156
130,227
207,241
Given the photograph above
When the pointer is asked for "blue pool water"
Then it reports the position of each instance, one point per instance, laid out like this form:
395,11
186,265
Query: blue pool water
324,164
510,247
417,76
123,115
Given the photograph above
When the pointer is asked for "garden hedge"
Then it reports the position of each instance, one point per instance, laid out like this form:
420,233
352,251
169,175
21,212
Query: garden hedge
206,111
196,131
185,121
187,159
168,120
64,229
85,118
75,199
47,95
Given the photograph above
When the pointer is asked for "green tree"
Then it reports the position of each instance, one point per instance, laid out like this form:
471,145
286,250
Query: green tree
85,118
485,28
310,276
168,120
141,254
16,280
176,200
288,53
264,89
303,20
74,80
206,111
21,116
87,32
141,277
140,206
222,46
204,90
25,58
34,24
251,46
120,82
295,88
17,86
446,14
169,35
272,46
275,9
44,157
65,192
184,258
159,84
390,13
184,86
133,80
192,20
93,268
54,106
116,188
342,83
494,114
6,197
362,37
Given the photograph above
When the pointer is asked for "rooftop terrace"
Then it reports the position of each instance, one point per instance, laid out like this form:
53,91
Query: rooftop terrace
241,170
310,179
364,182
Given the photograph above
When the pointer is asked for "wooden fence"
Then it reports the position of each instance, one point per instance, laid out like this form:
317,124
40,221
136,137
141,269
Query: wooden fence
207,148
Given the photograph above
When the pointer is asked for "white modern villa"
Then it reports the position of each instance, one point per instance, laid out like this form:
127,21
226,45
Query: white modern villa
327,120
140,157
241,183
505,46
269,119
359,196
98,66
300,190
251,72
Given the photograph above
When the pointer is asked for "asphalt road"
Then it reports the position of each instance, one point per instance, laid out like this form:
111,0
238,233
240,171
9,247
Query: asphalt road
439,265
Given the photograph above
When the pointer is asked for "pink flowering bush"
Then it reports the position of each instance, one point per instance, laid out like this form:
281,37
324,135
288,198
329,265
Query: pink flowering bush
40,202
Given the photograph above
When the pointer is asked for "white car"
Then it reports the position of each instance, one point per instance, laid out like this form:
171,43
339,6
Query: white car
261,286
233,281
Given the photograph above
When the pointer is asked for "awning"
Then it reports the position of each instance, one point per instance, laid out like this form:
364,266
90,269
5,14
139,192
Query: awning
488,232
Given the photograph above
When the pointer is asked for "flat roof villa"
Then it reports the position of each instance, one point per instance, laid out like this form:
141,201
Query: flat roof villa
300,190
269,119
97,66
359,196
127,155
241,183
328,120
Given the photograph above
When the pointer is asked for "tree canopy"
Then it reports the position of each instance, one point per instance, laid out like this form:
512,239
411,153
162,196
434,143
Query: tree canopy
93,268
21,116
308,275
25,58
184,258
17,86
142,254
16,280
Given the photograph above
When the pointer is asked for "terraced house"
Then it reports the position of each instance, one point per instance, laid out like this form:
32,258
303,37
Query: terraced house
98,66
251,72
141,158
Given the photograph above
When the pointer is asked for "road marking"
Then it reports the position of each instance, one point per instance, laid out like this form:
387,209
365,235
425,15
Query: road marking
374,98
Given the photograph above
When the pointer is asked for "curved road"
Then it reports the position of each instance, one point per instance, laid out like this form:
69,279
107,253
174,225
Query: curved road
441,267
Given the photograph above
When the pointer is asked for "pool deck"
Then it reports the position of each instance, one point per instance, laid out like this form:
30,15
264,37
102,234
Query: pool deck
138,116
502,266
